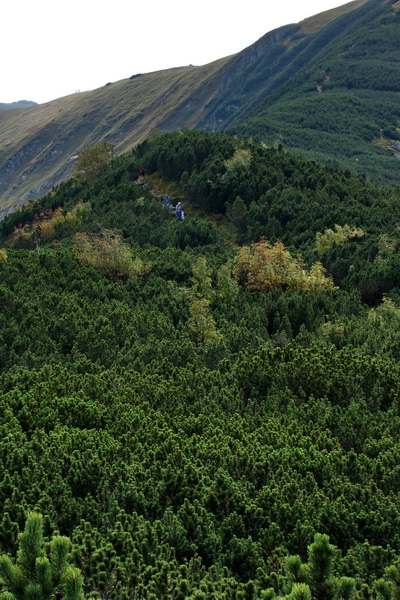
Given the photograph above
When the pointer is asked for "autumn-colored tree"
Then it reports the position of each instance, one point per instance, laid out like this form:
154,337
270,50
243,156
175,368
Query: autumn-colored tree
21,232
42,227
50,221
110,254
44,224
263,266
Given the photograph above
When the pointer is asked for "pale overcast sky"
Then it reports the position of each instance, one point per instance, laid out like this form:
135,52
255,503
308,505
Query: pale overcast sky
51,49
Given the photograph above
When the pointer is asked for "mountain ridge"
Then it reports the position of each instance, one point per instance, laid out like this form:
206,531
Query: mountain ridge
37,147
18,104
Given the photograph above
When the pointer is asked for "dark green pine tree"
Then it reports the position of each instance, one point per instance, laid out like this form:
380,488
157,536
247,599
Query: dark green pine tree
300,591
238,214
34,576
314,580
389,588
320,566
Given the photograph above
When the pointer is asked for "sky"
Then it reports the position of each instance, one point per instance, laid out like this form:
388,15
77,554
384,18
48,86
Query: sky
51,48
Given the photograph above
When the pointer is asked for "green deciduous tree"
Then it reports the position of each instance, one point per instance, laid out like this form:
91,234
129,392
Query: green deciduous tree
77,214
94,161
201,322
227,287
201,279
340,236
241,159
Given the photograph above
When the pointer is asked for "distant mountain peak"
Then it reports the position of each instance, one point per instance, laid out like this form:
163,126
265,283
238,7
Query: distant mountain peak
18,104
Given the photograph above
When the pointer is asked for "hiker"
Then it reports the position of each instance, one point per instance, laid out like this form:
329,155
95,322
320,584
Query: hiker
178,211
142,171
167,200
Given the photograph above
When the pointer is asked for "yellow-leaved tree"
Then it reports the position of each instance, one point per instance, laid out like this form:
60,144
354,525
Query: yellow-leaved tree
110,254
45,224
265,266
201,322
339,236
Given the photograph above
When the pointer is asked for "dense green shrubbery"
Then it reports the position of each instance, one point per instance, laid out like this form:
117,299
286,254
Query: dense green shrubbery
267,192
194,438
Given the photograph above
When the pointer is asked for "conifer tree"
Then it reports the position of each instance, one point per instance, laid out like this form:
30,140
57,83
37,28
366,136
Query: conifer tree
347,588
314,580
201,280
300,591
389,588
320,565
34,576
227,287
238,212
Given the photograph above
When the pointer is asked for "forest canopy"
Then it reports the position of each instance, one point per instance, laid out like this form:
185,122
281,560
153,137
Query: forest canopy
206,408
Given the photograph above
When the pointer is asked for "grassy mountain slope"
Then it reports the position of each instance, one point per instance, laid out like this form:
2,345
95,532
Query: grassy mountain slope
189,433
37,147
327,88
271,61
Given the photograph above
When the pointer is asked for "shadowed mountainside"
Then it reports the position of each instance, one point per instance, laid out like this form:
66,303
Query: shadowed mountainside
333,96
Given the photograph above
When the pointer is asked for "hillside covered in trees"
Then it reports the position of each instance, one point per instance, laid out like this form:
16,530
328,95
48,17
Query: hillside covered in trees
207,408
330,94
